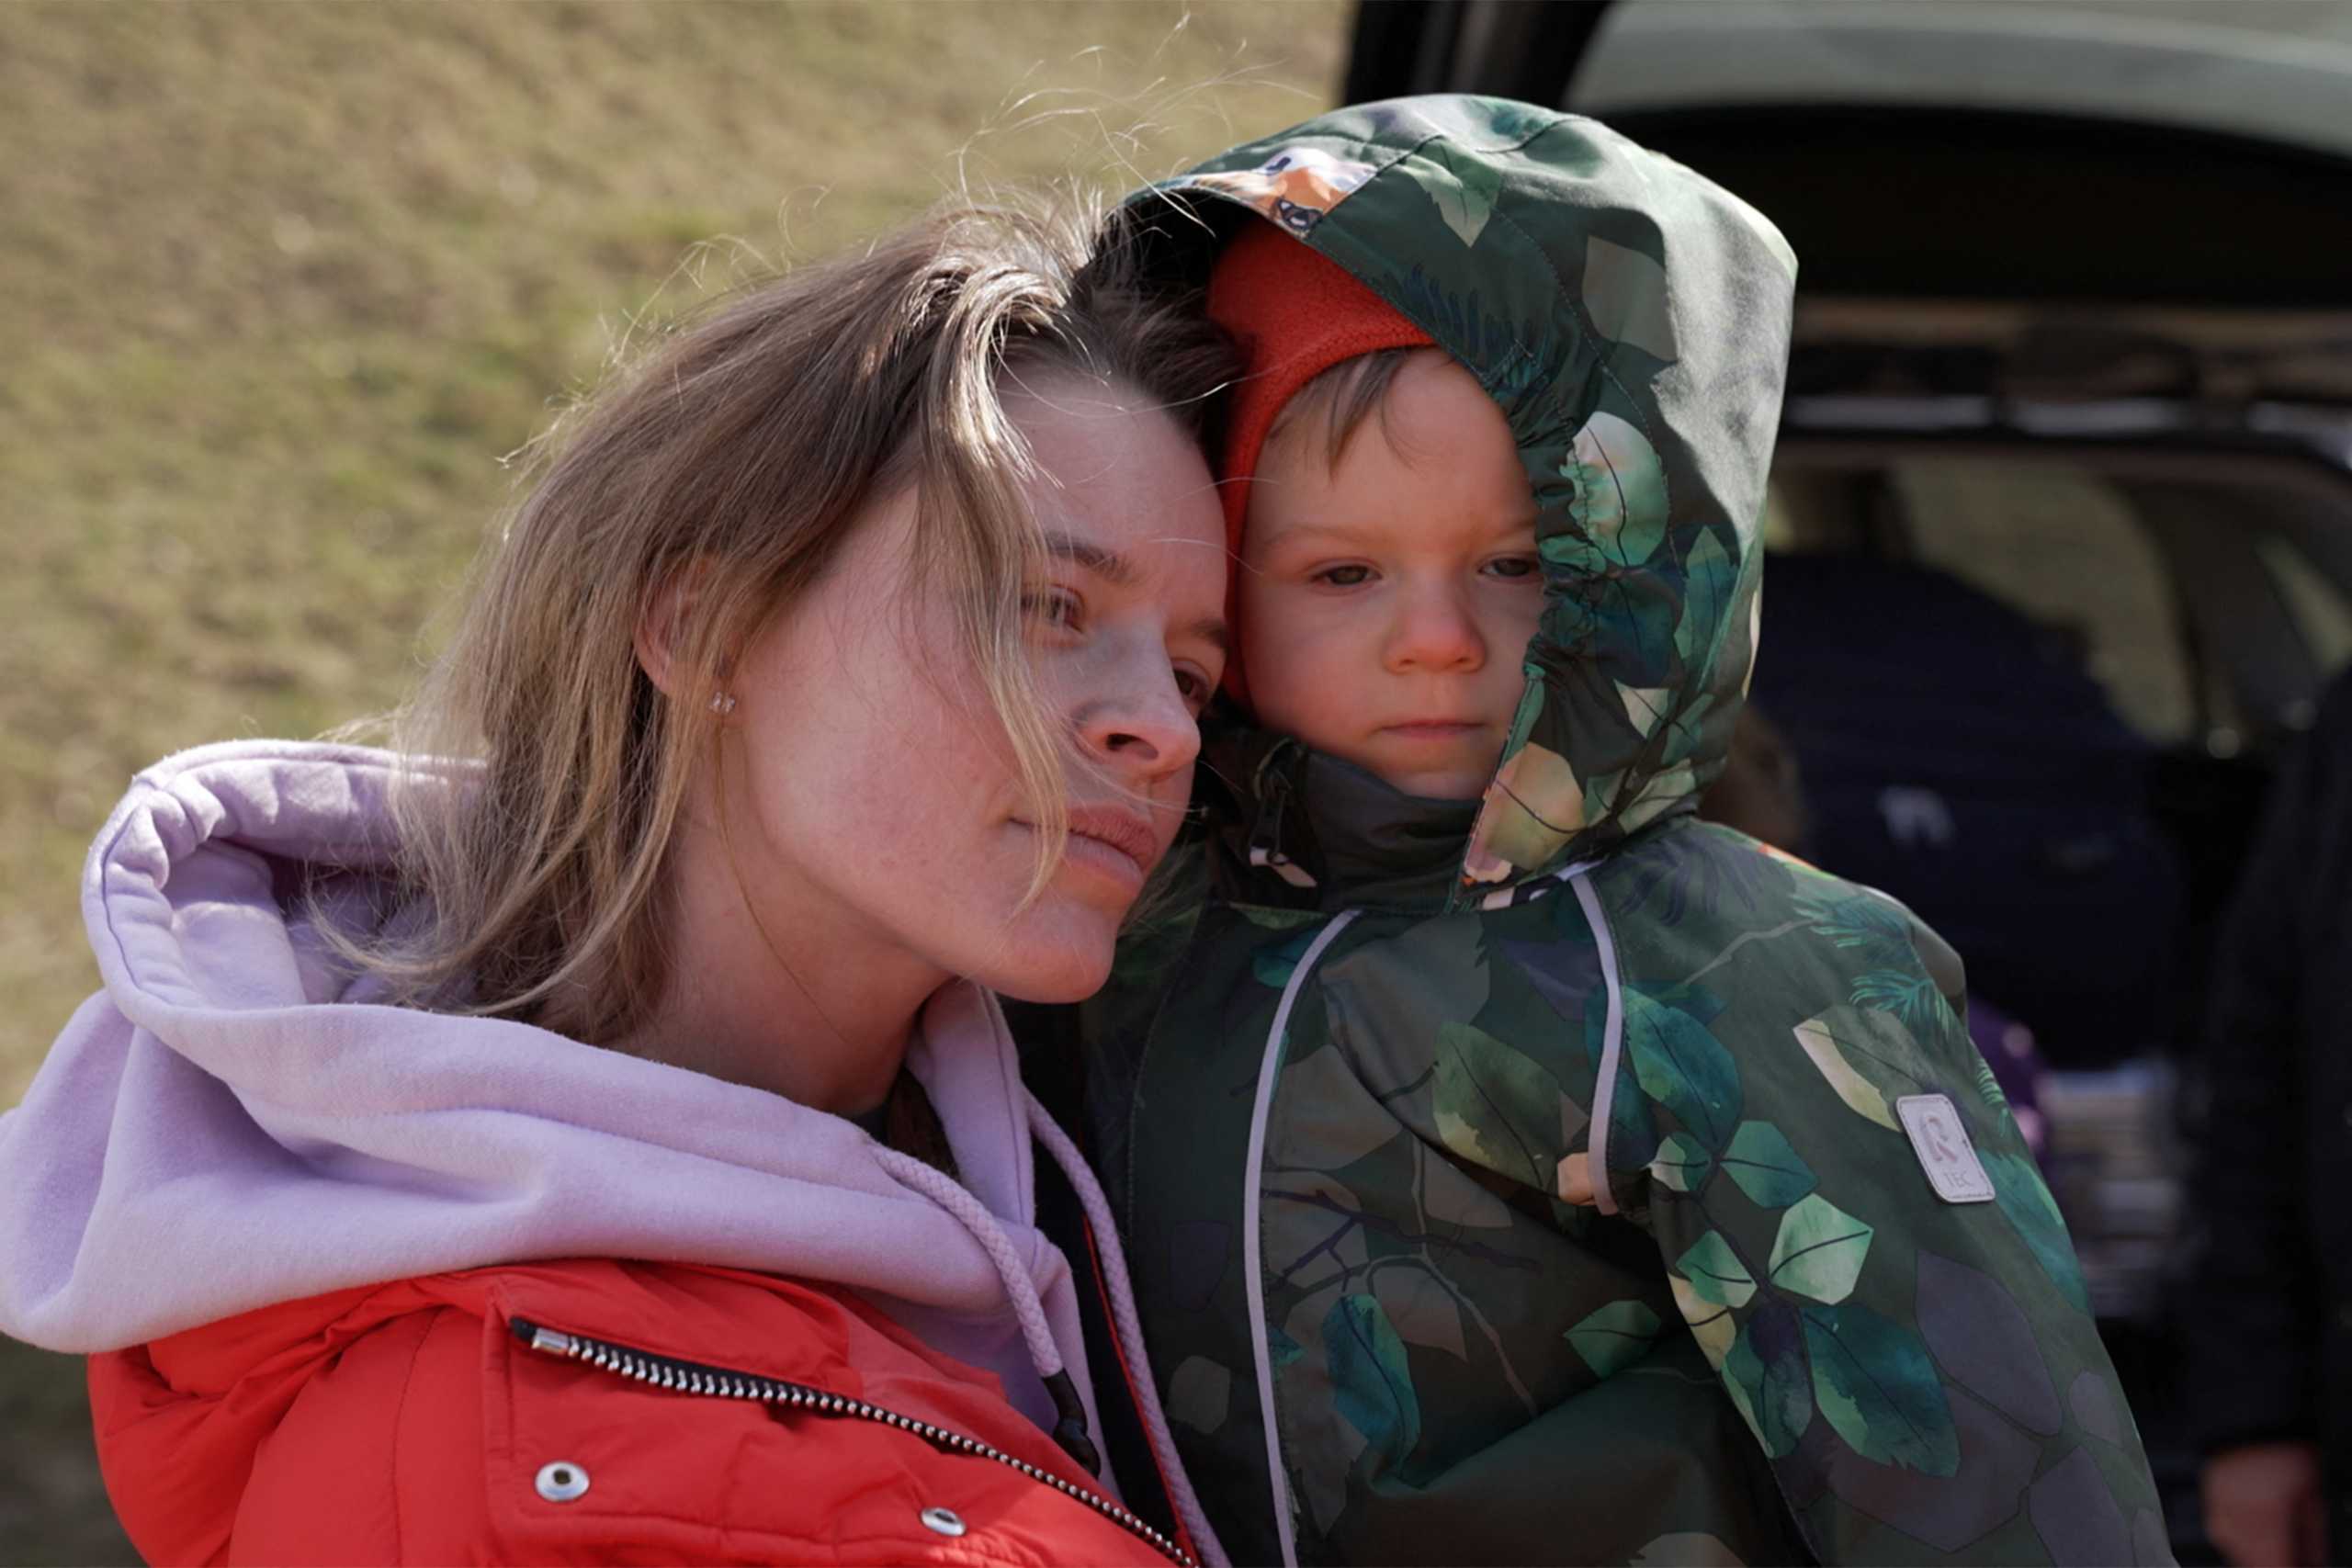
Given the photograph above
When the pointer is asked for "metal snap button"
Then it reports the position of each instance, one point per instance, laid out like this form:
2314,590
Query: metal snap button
943,1520
561,1482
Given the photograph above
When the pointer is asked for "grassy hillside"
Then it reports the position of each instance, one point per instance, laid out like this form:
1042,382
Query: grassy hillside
280,284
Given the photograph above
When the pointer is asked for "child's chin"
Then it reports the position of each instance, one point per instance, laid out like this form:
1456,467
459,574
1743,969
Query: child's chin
1449,786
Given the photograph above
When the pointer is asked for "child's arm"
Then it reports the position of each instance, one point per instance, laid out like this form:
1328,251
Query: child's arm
1789,1105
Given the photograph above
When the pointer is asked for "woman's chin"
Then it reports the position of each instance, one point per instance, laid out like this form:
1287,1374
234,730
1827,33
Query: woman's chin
1060,956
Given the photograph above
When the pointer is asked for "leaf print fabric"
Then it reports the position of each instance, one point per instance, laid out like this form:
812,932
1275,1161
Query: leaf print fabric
1619,508
1616,1336
1496,1107
1765,1166
1818,1251
1464,188
1582,1211
1373,1383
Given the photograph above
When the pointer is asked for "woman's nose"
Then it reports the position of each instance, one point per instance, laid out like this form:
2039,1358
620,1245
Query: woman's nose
1140,723
1434,630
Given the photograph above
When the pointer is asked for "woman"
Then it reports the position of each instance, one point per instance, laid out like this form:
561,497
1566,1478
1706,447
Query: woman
606,1145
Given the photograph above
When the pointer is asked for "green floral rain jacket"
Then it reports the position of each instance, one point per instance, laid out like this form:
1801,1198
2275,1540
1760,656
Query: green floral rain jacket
1819,1302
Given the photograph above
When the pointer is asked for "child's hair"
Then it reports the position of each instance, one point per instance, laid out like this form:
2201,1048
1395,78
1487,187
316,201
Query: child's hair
1344,397
741,447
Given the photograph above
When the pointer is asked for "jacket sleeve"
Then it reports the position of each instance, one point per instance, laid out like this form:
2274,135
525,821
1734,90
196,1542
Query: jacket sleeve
1859,1240
2259,1285
1763,1072
380,1458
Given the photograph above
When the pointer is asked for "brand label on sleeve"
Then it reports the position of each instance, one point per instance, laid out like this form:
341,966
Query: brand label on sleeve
1945,1154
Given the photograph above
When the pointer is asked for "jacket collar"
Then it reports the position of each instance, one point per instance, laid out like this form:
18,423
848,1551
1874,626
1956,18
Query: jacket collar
1299,828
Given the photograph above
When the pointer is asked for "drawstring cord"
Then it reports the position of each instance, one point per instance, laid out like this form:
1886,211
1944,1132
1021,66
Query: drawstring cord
1070,1431
1129,1328
1069,1428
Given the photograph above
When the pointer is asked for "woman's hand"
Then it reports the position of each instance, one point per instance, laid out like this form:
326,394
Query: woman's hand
2264,1507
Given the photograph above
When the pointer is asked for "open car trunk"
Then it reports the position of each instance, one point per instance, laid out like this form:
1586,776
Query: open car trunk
2060,524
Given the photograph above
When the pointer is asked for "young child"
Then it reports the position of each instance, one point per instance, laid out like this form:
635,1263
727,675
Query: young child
1514,1168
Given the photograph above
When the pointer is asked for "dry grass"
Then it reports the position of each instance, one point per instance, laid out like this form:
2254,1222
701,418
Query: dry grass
279,285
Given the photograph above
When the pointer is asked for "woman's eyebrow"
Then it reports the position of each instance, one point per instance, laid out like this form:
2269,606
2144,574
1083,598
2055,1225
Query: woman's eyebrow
1212,629
1120,572
1109,565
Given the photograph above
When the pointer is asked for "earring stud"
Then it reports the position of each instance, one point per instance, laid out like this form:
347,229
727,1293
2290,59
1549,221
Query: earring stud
721,703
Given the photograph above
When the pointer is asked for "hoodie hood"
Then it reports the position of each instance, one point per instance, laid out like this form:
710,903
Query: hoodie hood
231,1124
1630,319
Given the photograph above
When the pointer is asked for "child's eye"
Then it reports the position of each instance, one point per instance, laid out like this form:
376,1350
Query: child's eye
1056,607
1515,568
1344,576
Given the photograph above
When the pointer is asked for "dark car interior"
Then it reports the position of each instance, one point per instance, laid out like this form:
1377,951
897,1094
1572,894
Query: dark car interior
2059,543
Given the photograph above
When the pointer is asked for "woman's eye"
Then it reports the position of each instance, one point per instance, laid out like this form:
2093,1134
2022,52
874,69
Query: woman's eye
1056,607
1515,568
1344,576
1194,688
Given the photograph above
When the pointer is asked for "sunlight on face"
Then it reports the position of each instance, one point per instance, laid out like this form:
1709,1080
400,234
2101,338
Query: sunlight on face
1385,602
881,778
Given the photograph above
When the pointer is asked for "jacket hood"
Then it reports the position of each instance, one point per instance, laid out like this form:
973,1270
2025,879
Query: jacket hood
231,1124
1630,319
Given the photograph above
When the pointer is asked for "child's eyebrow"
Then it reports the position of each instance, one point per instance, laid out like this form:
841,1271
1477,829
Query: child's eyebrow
1374,532
1350,532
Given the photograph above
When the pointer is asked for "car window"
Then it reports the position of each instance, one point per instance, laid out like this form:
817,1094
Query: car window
2314,603
2056,543
2063,546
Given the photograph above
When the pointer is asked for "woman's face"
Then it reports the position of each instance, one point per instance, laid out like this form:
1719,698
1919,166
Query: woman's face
876,769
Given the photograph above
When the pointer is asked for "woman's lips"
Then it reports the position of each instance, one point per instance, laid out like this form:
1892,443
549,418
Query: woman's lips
1107,859
1110,842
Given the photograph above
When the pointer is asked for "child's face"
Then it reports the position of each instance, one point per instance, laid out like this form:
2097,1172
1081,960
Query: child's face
1385,602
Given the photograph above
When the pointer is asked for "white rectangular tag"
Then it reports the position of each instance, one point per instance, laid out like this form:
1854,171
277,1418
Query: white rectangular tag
1945,1154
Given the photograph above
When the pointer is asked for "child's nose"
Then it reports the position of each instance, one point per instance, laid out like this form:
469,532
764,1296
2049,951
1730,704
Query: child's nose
1435,631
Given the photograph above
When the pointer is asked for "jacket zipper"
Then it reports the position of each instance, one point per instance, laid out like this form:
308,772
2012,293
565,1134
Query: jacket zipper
722,1382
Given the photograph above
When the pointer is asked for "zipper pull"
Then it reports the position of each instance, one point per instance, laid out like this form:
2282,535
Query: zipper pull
1266,832
539,1338
1070,1430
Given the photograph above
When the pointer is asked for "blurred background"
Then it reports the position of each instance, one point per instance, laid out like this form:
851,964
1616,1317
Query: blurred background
2061,525
280,285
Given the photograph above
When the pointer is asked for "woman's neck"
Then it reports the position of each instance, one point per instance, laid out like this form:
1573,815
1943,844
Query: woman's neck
795,998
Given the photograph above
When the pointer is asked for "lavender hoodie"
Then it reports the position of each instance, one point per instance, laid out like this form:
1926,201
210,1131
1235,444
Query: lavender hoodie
227,1124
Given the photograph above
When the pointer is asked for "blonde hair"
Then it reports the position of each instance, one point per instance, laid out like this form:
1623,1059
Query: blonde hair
741,447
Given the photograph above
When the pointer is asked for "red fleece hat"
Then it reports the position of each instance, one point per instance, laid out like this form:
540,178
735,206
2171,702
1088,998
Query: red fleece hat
1295,313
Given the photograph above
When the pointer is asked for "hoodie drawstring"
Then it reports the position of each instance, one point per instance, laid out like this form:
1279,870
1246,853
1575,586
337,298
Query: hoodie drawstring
1069,1428
1129,1328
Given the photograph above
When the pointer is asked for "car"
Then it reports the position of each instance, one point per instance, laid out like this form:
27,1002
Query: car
2060,531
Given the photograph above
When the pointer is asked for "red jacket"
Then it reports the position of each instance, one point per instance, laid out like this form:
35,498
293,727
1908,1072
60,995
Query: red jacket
457,1418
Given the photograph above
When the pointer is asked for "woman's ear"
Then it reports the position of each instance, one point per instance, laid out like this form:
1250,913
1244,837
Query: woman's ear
664,629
